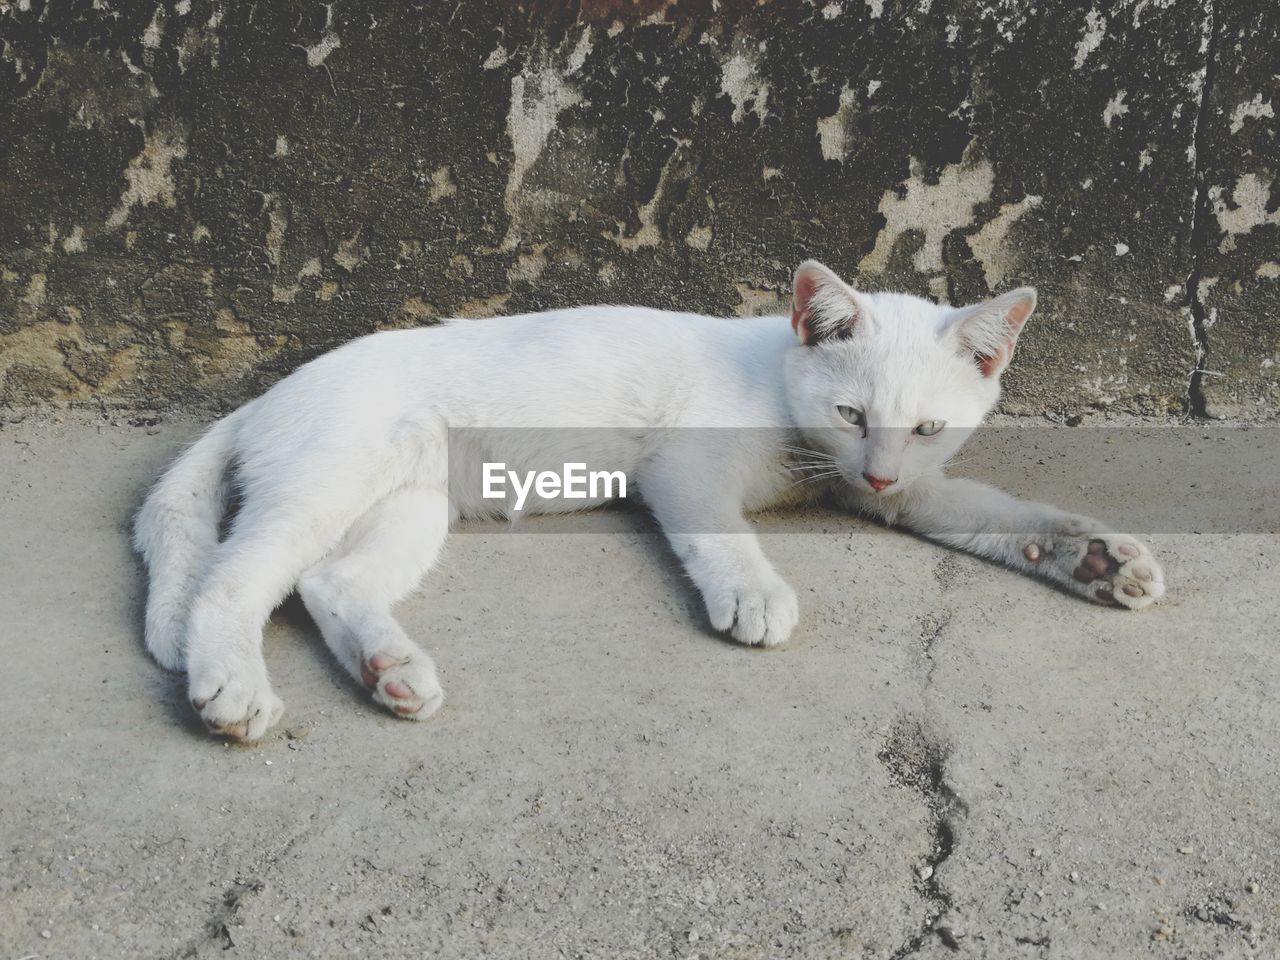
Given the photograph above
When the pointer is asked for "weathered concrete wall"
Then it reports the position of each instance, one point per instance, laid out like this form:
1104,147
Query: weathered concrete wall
195,196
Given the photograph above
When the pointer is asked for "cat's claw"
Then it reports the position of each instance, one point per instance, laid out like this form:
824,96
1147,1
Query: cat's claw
407,686
240,706
1110,568
757,615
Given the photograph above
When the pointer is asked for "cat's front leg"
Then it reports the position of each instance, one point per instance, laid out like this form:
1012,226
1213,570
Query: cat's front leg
744,596
1079,553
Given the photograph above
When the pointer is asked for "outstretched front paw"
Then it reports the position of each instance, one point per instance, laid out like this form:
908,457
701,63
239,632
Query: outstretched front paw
1110,568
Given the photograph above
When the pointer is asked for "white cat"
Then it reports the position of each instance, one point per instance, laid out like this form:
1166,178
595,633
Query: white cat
352,470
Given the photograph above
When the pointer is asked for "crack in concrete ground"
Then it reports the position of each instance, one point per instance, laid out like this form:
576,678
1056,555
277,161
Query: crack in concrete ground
916,759
224,919
931,628
1197,403
220,928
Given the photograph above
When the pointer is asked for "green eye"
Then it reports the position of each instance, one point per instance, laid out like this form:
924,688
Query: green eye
853,416
930,427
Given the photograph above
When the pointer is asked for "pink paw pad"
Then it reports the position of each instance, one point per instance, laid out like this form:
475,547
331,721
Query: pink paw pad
404,685
1094,564
401,691
235,731
241,710
372,668
1120,572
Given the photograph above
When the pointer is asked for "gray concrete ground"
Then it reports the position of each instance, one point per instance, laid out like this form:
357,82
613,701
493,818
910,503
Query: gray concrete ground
947,760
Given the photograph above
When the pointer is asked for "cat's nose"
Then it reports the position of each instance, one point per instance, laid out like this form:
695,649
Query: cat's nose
877,483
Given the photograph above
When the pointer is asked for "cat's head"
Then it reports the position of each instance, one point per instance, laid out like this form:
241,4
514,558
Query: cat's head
890,385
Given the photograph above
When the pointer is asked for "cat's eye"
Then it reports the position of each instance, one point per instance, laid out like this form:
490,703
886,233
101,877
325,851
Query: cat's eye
930,427
853,415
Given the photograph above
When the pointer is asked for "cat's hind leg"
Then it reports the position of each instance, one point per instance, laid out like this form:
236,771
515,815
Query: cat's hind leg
273,541
350,594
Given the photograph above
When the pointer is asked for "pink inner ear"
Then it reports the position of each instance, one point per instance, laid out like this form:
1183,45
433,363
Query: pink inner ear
805,287
996,362
1014,321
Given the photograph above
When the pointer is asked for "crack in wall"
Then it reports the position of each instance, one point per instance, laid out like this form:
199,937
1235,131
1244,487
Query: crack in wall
1197,402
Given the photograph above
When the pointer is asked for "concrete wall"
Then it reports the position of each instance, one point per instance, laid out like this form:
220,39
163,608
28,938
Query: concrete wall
196,196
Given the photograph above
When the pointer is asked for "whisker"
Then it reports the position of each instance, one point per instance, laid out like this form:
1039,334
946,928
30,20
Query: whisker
801,467
806,451
828,468
812,478
811,466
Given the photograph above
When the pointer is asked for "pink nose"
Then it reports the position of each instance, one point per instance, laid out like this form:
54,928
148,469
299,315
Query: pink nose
877,483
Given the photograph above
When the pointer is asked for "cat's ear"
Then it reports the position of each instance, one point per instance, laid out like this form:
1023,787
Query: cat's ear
823,306
988,331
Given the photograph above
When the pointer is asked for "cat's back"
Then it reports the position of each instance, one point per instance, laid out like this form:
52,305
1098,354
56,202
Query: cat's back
597,331
558,344
611,364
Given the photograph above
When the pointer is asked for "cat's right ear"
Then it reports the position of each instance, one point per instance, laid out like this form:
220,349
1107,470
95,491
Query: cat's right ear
824,307
989,331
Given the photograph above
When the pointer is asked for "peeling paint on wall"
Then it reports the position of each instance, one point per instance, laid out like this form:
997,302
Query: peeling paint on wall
1095,28
74,243
318,53
277,225
539,94
210,220
148,177
1116,107
649,235
1247,209
757,301
991,245
833,131
741,82
932,210
442,184
1251,109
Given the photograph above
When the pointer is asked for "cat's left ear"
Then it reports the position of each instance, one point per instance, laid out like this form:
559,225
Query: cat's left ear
988,331
824,307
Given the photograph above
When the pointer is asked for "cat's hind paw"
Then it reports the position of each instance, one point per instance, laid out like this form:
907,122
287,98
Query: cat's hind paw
407,685
237,704
1109,568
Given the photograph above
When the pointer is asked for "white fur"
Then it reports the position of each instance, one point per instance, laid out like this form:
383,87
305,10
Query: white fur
350,477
